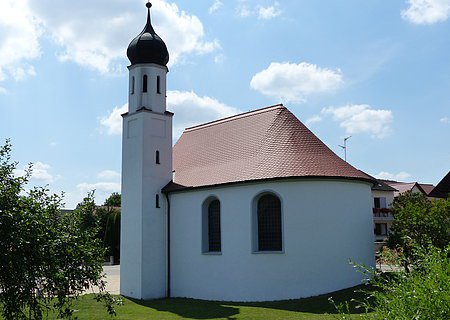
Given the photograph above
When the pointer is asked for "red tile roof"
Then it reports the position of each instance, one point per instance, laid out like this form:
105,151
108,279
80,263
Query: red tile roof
402,187
268,143
426,187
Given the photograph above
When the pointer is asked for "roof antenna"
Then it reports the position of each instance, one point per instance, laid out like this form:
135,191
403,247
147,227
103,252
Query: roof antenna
345,147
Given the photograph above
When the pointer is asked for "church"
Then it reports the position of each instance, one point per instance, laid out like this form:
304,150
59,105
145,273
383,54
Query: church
253,207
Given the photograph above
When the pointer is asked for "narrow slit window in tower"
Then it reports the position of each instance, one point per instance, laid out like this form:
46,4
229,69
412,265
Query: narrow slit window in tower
158,85
157,157
157,201
144,83
132,85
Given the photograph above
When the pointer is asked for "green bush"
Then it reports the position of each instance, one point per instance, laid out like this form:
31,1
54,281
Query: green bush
422,292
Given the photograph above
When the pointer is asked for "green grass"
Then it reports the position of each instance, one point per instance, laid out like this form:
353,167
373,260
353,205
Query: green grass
310,308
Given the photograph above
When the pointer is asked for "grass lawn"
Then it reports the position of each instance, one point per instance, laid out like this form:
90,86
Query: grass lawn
310,308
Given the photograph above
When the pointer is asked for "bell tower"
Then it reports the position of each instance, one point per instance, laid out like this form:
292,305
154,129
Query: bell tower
146,168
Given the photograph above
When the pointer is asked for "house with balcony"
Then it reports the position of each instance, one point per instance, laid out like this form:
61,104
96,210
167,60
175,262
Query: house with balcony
383,196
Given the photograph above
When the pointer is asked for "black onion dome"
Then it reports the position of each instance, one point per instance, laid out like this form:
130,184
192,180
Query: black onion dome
148,47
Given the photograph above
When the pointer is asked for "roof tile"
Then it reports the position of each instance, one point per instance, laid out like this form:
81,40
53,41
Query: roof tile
262,144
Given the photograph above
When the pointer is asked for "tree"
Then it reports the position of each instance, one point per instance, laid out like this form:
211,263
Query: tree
113,200
47,259
419,222
109,233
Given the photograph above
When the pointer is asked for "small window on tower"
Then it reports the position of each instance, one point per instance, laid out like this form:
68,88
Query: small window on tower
158,85
132,85
157,157
157,201
144,83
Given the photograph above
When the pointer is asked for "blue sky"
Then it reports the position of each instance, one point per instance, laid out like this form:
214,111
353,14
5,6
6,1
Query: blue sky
378,71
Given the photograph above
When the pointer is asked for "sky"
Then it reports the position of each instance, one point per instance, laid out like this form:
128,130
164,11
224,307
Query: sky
378,71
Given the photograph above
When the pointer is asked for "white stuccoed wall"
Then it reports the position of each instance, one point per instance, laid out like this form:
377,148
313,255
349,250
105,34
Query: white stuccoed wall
325,224
143,226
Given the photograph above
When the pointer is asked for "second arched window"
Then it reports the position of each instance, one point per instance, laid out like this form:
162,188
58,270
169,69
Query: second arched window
269,223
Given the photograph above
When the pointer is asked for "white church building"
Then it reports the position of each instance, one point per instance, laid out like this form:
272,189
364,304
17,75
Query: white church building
252,207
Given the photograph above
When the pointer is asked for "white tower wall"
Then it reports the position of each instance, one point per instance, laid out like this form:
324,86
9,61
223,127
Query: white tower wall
147,129
151,99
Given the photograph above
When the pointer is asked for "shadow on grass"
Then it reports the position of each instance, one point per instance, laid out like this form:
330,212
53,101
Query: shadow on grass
202,309
191,308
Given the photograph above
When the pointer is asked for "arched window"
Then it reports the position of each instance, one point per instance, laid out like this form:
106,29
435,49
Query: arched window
211,231
144,83
214,243
269,223
132,85
157,157
158,85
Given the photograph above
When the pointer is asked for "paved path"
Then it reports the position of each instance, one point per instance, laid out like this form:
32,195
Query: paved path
112,280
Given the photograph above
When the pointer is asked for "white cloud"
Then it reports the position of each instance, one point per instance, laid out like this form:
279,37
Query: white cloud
189,108
102,191
445,120
96,33
292,82
401,176
99,186
107,183
113,122
109,175
19,42
243,11
313,119
267,13
40,173
217,4
362,119
427,11
22,72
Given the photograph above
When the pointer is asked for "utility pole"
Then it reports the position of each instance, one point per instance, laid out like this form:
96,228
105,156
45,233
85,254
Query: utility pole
345,147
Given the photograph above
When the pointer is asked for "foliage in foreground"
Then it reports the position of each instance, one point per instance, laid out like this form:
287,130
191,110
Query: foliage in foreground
47,259
421,292
419,222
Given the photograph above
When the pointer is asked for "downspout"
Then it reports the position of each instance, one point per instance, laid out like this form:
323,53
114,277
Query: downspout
168,246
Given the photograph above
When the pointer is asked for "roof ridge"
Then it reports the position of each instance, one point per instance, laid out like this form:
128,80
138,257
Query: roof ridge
235,117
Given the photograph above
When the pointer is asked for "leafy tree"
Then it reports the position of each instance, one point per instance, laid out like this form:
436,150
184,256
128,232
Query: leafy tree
109,233
419,222
113,200
47,259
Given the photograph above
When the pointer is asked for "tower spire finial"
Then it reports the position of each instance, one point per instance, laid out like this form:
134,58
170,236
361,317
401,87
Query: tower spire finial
148,4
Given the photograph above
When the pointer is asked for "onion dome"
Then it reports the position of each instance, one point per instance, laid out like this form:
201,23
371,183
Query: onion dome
148,47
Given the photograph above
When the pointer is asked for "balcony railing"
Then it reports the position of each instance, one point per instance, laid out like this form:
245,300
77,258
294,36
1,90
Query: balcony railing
382,213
